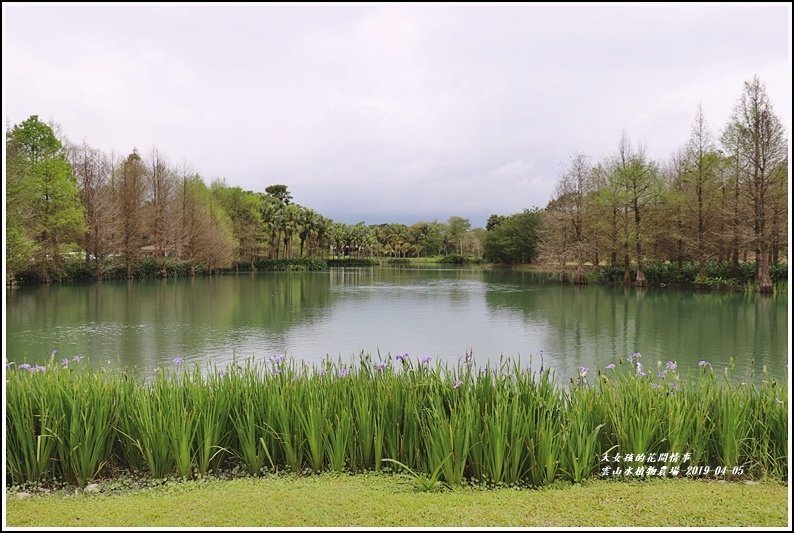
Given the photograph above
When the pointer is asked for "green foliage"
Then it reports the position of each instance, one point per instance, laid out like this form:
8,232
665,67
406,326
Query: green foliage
280,193
494,221
613,274
44,208
243,208
422,483
778,272
290,265
214,247
507,425
34,141
514,239
352,262
19,248
457,228
711,283
454,259
719,275
75,268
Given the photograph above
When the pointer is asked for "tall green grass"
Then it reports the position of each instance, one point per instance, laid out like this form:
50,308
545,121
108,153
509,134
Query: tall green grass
496,425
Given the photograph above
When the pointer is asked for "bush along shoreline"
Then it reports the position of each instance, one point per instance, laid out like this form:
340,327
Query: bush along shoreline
73,270
719,275
71,422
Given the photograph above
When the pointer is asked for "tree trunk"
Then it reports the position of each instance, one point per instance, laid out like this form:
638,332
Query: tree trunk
579,278
640,281
764,280
626,272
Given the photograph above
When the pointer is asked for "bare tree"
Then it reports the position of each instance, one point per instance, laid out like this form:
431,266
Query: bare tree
700,193
160,181
130,189
760,141
573,192
639,178
94,170
207,231
674,232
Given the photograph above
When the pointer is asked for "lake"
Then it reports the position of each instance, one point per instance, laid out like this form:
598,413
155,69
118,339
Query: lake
441,312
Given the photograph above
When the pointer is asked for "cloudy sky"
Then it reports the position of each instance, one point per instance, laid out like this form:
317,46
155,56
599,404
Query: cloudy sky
382,113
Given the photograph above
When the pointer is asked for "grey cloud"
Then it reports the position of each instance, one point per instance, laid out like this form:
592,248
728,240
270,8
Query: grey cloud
389,112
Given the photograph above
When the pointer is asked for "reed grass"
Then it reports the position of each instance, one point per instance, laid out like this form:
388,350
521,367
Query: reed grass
494,425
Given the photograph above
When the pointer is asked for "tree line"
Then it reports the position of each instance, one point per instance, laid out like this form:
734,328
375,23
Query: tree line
717,198
72,202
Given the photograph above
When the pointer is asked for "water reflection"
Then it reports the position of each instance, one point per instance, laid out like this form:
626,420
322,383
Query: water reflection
439,312
595,325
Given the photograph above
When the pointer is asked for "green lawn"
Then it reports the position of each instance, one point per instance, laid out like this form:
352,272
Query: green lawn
380,500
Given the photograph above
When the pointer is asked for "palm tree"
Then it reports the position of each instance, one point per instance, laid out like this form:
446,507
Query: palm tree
269,210
307,227
322,234
288,220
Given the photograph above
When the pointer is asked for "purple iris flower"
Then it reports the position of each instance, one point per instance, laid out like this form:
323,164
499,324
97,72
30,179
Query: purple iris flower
25,366
425,359
380,367
703,364
178,360
457,384
342,372
671,365
610,366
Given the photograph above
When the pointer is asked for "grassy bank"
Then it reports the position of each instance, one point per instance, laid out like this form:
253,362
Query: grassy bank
381,500
73,422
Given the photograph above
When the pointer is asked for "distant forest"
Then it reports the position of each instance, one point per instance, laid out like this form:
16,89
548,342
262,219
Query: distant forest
720,197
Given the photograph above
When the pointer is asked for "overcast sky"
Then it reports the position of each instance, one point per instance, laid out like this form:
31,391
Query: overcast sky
382,113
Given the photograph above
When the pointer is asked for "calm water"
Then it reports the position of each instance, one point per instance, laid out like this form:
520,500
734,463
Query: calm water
437,312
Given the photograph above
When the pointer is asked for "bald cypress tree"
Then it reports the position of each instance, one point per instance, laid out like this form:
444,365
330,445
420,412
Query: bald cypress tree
759,142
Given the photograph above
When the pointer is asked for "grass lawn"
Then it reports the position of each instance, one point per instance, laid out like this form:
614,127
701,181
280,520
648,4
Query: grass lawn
382,500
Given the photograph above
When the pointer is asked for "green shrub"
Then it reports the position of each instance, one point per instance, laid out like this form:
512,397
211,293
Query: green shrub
352,262
289,265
